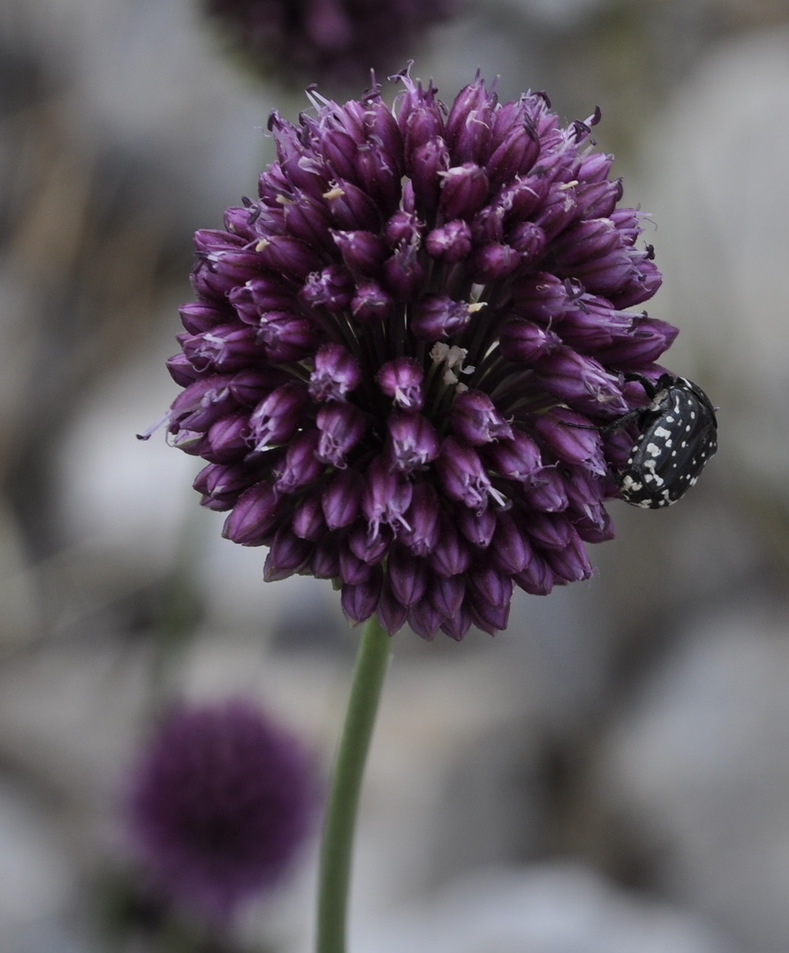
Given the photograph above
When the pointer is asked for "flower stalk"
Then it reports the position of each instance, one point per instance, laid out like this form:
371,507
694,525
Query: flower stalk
372,661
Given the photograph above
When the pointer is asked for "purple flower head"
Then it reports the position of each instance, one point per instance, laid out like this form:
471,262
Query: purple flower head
317,40
221,800
403,354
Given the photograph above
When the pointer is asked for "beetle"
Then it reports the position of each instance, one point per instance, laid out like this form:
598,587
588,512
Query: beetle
678,433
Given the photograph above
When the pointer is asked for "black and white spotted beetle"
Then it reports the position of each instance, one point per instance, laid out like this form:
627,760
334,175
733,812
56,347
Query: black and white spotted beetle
677,436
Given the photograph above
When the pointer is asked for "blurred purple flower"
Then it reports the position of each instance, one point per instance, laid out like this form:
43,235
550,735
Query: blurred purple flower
319,40
395,350
221,800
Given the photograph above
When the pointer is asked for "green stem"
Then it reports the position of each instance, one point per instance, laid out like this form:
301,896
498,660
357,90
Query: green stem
335,868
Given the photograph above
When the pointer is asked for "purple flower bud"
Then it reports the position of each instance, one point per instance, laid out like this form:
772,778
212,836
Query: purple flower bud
457,627
556,212
582,381
451,242
468,125
391,611
422,521
362,252
379,174
308,521
403,228
302,464
594,169
547,492
463,476
475,419
386,497
510,549
226,438
525,341
359,602
325,560
515,146
277,417
592,324
369,545
478,528
641,283
285,337
529,241
190,441
516,458
353,570
199,316
408,576
425,620
550,531
420,115
463,191
488,224
224,348
597,199
332,288
570,437
259,296
493,262
181,370
570,564
341,500
628,222
307,219
371,304
604,276
413,442
646,339
541,298
341,428
537,578
446,594
287,554
401,379
254,516
490,592
451,555
249,386
438,317
586,241
202,403
224,253
351,208
430,161
341,151
335,375
240,220
287,256
307,172
520,197
404,273
222,484
585,495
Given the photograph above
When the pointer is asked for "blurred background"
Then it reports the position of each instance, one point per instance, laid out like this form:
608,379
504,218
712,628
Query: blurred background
610,774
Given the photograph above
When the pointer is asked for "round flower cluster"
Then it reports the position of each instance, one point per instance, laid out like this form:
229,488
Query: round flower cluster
221,800
403,354
317,40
